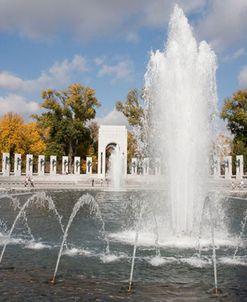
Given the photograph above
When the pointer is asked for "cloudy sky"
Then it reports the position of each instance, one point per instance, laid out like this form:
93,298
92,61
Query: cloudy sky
106,44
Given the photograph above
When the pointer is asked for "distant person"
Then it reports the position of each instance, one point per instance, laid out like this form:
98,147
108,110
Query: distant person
31,182
92,182
26,181
241,183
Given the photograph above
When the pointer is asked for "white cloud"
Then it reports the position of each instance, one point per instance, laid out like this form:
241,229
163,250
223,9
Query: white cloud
99,60
59,74
10,81
238,53
224,24
235,55
220,22
242,78
87,19
113,118
132,37
121,70
62,71
16,103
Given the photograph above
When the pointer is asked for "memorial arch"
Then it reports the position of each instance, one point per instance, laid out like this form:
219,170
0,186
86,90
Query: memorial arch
110,137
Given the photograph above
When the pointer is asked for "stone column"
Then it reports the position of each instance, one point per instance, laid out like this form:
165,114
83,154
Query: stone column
134,166
77,165
65,165
101,164
157,166
6,164
216,167
228,167
239,167
29,164
53,165
17,165
146,166
89,164
41,165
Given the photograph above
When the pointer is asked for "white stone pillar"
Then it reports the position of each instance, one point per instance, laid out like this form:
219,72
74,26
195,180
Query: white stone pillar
29,164
41,165
157,166
6,164
228,167
77,165
239,167
17,165
101,163
124,163
89,163
53,165
65,165
134,166
146,166
216,167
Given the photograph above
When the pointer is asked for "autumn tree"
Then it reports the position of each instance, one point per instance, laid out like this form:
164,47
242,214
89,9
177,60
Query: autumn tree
16,136
33,143
11,133
65,119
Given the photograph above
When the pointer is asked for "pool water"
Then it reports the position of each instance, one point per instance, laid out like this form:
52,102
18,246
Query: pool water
87,273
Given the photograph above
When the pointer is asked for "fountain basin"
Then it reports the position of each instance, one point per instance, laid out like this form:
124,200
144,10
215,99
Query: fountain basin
87,271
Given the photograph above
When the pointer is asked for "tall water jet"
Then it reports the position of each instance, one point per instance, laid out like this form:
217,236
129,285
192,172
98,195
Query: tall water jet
116,168
180,97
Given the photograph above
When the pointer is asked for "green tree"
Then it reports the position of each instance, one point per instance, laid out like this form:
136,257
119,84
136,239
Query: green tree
94,130
65,120
133,110
132,149
132,107
234,112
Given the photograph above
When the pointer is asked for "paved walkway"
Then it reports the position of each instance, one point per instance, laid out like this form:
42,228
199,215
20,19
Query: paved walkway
84,182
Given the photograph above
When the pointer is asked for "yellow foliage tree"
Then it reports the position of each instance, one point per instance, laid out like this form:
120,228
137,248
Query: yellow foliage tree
11,133
33,143
18,137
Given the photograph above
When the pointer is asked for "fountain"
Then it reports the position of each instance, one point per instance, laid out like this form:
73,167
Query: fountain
175,241
39,199
94,208
116,168
180,94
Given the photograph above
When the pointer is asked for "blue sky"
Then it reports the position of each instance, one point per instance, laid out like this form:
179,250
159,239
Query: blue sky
106,44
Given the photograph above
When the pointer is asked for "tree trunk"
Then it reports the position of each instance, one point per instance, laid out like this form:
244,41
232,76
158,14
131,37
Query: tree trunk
70,155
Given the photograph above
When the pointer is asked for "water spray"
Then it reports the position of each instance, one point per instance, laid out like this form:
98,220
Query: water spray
86,199
243,224
134,251
216,291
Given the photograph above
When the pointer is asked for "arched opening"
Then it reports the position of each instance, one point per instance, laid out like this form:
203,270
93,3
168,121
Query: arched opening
108,151
109,138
